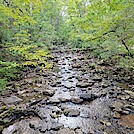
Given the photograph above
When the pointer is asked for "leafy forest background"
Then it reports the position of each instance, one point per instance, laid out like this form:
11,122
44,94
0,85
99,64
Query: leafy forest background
28,28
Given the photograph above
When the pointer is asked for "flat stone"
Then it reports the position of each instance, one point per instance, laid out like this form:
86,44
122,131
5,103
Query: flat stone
116,104
39,85
76,66
48,92
12,100
91,81
78,131
123,97
71,112
72,93
63,99
83,84
117,115
97,78
68,85
65,131
76,100
131,93
54,115
21,92
125,112
127,120
104,84
21,127
35,123
53,101
88,97
107,123
55,126
118,109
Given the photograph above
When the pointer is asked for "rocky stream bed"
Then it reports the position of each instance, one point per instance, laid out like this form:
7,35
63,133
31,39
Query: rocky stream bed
78,96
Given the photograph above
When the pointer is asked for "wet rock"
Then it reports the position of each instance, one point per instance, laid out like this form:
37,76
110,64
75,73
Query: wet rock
34,102
71,77
12,100
55,126
88,97
127,120
131,106
44,101
65,131
104,84
63,99
107,123
71,112
76,100
21,92
131,93
125,112
117,115
68,85
91,81
21,127
53,101
123,97
83,84
116,104
78,131
39,85
72,89
72,93
76,66
97,78
54,115
48,92
118,109
34,123
44,126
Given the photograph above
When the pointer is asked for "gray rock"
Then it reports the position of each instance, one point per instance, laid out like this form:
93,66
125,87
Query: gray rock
78,131
107,123
97,78
54,115
68,85
65,131
55,126
12,100
124,97
76,66
53,101
117,115
21,127
88,97
125,112
131,93
48,92
104,84
76,100
83,84
63,99
127,120
71,112
116,104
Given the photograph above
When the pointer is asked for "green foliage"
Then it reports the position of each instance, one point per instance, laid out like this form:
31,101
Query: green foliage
3,83
27,29
107,26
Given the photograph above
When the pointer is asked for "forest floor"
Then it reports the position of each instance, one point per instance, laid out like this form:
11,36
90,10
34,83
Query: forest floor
80,95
